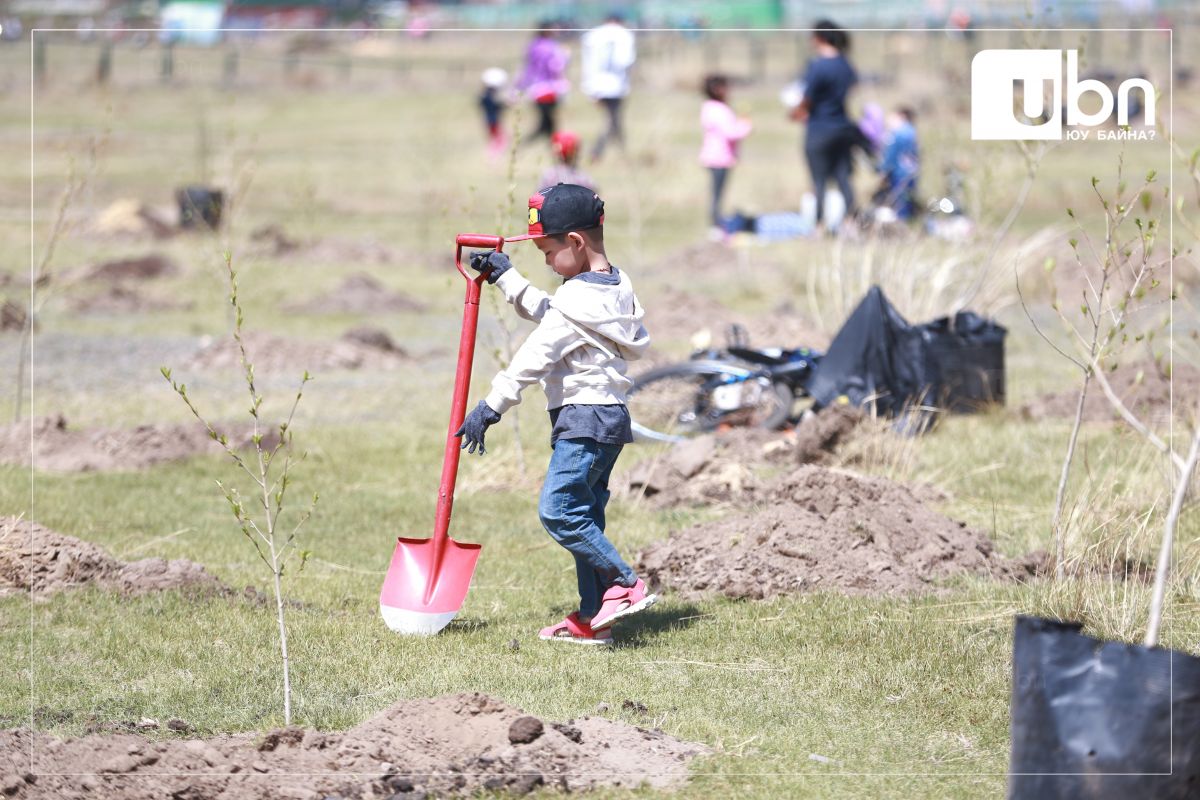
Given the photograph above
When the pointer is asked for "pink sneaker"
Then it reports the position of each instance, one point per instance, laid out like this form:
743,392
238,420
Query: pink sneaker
576,632
621,601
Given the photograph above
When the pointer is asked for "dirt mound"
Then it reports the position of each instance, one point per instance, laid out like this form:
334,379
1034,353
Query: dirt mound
121,299
821,528
701,317
728,466
1144,388
59,448
271,353
154,265
36,558
358,294
273,240
455,745
132,218
12,316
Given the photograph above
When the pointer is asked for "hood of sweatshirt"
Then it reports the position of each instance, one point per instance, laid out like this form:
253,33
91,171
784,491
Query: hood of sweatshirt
603,307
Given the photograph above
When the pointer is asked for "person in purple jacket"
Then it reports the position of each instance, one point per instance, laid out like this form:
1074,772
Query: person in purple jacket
543,79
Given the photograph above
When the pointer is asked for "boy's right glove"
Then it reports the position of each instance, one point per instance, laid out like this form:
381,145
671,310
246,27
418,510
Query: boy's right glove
475,426
496,263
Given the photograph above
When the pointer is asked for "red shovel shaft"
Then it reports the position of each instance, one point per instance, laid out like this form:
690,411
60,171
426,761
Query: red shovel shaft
427,579
462,385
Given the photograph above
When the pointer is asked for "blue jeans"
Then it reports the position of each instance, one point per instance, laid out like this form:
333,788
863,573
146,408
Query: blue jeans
572,511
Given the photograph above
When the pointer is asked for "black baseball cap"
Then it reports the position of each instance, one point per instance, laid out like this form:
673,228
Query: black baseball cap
562,208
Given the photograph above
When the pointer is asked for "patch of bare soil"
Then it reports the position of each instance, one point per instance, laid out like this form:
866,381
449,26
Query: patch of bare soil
358,294
119,298
454,745
1144,388
35,558
684,313
819,528
154,265
727,466
273,240
12,316
134,219
56,447
271,353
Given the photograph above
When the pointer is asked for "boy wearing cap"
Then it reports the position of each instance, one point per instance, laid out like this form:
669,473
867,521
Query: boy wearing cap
587,332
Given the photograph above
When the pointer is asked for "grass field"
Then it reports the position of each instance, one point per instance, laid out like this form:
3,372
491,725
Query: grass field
907,697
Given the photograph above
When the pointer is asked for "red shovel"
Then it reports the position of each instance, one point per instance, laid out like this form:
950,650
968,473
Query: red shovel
428,578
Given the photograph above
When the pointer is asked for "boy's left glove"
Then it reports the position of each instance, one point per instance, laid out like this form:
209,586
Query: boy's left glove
475,426
494,262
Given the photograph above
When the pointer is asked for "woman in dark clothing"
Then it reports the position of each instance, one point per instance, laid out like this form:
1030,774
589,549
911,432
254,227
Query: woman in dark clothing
831,135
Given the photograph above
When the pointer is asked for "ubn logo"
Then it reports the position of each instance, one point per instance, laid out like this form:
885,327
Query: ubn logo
994,78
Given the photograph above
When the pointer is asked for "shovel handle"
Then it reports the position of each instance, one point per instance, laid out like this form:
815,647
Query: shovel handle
462,384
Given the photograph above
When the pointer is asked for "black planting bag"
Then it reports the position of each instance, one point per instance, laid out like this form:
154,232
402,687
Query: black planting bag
1083,707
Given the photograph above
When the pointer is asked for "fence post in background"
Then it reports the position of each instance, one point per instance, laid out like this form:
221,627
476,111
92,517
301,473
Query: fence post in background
39,58
758,57
290,62
711,54
167,67
229,68
345,68
104,64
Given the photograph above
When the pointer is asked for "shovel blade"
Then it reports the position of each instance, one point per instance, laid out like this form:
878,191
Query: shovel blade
420,596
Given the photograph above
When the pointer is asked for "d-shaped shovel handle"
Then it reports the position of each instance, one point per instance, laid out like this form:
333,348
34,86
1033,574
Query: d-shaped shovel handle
462,376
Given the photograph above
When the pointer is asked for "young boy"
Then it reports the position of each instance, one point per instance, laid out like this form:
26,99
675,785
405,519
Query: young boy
587,331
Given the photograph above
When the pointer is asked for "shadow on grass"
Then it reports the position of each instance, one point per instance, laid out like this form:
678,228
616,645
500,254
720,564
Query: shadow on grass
634,631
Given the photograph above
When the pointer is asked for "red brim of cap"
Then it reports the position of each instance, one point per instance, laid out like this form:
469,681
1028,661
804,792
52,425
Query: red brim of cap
525,236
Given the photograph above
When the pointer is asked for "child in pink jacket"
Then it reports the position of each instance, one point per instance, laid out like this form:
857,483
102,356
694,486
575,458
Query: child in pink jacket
723,129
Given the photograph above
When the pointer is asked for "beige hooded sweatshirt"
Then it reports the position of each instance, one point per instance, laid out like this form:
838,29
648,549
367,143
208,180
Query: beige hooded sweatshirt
587,333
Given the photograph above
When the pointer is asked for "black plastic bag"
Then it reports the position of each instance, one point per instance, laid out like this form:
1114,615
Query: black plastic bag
1083,707
969,352
199,205
877,358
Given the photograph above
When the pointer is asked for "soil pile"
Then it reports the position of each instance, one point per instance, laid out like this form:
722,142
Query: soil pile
59,448
274,241
132,218
12,316
689,314
358,294
271,353
36,558
455,745
121,299
1144,388
722,467
820,528
154,265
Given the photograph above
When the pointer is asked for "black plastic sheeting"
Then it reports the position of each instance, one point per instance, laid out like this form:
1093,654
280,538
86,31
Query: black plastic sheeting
878,357
1090,710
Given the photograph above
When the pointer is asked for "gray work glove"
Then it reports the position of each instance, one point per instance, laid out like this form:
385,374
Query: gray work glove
475,426
496,264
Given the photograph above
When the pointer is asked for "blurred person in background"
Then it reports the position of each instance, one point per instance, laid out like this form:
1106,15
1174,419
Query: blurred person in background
543,79
608,53
723,130
900,165
565,146
493,106
830,134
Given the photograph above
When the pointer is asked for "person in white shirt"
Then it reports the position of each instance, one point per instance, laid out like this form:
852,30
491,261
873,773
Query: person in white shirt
608,53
